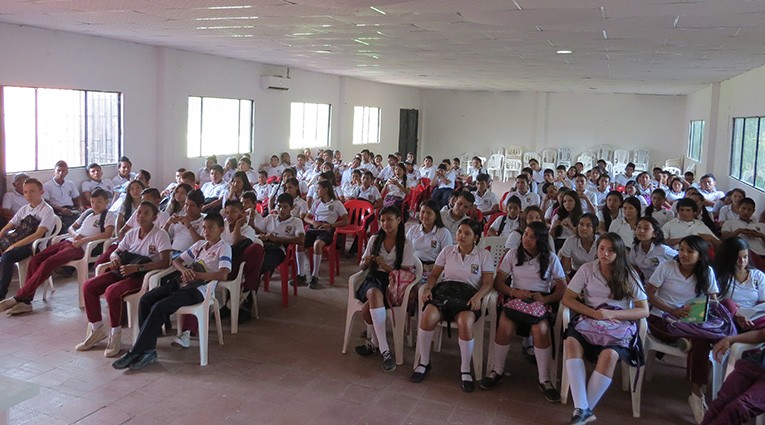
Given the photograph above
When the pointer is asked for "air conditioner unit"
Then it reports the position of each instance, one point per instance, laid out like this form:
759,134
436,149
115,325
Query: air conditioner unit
274,82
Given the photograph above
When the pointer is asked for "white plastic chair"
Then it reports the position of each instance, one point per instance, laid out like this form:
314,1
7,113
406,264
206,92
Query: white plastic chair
513,167
494,165
81,266
642,159
234,288
202,312
673,163
564,156
621,157
629,373
528,156
548,159
654,345
396,315
514,152
37,246
587,159
496,246
727,364
465,159
478,331
604,153
497,150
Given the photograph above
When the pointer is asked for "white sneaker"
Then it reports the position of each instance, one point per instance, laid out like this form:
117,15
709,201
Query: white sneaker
19,308
95,336
698,407
7,304
183,340
114,345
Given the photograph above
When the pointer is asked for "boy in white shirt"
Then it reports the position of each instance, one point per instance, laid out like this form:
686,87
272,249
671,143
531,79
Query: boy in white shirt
186,229
274,168
14,199
280,230
588,200
629,174
203,174
387,172
95,174
686,224
710,193
443,184
747,228
427,170
124,175
485,200
213,189
524,193
63,196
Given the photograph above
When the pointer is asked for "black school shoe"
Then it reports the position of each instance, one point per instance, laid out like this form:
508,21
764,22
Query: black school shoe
551,394
467,386
490,380
144,360
125,361
366,349
418,377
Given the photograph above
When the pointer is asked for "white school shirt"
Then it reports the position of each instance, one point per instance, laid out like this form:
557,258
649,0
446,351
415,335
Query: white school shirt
427,245
274,171
485,202
303,173
593,199
155,242
713,196
42,212
590,280
674,288
466,270
749,293
120,183
252,176
414,176
663,216
526,276
60,195
228,175
289,228
451,176
386,173
726,213
13,201
394,190
647,262
674,196
371,194
181,236
160,221
621,227
212,190
451,224
263,191
514,241
573,249
371,167
214,258
676,228
428,172
203,175
349,189
510,225
91,225
246,231
529,198
600,197
621,179
105,184
347,176
757,245
328,212
389,258
565,231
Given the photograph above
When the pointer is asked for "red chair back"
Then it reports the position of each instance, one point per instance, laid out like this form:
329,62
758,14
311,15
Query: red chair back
502,206
491,219
358,211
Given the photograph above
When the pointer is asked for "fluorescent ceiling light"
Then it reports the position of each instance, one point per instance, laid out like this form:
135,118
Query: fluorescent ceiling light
563,52
361,41
228,7
377,10
227,18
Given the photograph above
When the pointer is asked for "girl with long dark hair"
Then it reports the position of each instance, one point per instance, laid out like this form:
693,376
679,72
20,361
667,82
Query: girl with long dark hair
742,287
648,248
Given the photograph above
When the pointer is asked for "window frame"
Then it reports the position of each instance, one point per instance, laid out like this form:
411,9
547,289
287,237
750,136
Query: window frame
251,144
303,145
85,123
738,148
365,119
693,141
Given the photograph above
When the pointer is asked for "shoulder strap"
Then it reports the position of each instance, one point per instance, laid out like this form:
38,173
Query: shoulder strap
502,225
102,220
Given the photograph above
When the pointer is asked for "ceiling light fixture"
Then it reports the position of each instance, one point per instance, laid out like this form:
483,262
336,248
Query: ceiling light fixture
605,35
377,10
564,52
301,34
323,51
361,41
227,18
227,27
228,7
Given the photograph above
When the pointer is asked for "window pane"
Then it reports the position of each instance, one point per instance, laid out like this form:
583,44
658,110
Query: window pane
20,128
245,126
750,146
695,139
366,125
735,156
220,126
194,129
760,177
103,127
60,127
309,125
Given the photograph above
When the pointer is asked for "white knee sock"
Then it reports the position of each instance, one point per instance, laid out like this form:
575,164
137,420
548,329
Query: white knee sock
317,264
544,358
577,379
424,339
371,334
466,352
500,355
596,388
301,260
378,322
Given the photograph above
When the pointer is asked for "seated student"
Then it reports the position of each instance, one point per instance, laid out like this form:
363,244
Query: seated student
230,167
443,183
602,190
461,269
560,178
592,179
429,237
659,179
537,277
729,211
281,187
327,176
14,199
31,222
524,192
611,210
95,223
287,160
427,170
710,192
748,229
686,224
273,168
740,397
171,187
312,175
388,172
213,189
262,188
454,216
355,165
485,200
703,215
388,250
631,189
250,202
203,174
146,242
612,291
178,199
537,175
582,247
688,182
504,225
368,191
325,215
586,198
676,190
412,174
238,184
644,185
658,208
185,228
63,196
474,170
670,288
563,223
124,175
130,201
625,226
280,230
245,166
396,189
189,288
549,195
648,248
742,287
95,179
302,167
189,178
350,186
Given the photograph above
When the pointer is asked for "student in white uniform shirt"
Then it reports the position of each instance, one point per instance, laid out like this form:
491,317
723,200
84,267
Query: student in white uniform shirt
95,179
63,196
144,248
443,184
131,199
710,192
186,229
524,193
238,184
686,224
37,218
582,247
466,269
622,179
203,174
230,167
351,185
325,215
156,306
213,189
453,217
537,279
671,287
611,210
648,248
280,230
566,218
14,199
368,191
748,229
274,167
388,171
531,214
625,226
586,197
430,236
262,188
124,175
485,200
352,167
245,166
741,286
676,190
427,170
632,190
602,190
504,225
388,250
658,208
605,283
730,211
412,174
396,189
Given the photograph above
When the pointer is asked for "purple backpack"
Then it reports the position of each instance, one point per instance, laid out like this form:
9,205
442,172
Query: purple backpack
606,332
718,325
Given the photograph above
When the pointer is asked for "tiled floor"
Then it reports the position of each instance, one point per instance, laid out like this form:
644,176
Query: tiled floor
285,368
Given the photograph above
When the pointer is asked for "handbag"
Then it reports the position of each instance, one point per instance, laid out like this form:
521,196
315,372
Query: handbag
26,227
131,258
398,281
451,298
718,325
525,310
603,332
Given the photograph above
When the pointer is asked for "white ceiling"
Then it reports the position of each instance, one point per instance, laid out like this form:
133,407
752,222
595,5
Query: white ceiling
631,46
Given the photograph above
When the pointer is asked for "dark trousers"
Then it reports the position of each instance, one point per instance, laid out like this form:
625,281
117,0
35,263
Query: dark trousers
697,363
7,260
442,196
155,308
741,397
271,259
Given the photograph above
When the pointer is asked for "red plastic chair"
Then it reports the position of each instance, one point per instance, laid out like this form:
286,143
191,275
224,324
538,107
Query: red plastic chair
330,252
502,205
620,189
259,208
284,272
491,219
358,214
476,214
